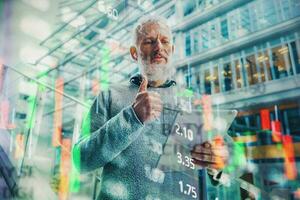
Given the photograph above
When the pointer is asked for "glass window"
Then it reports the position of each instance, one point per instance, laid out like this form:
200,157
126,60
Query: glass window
238,73
224,30
207,83
254,15
295,7
244,71
261,69
293,116
251,69
278,61
188,44
234,25
195,79
196,41
201,4
285,9
204,37
259,15
245,20
269,13
197,82
215,79
296,55
264,60
213,35
209,3
188,7
288,63
227,75
187,77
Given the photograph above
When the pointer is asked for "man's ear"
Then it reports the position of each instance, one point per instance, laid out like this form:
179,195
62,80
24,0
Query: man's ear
133,53
173,48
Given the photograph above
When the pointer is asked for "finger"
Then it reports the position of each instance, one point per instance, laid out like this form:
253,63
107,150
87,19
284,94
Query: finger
202,157
155,114
207,157
201,149
154,100
220,152
156,107
202,163
206,144
143,86
208,165
155,94
205,160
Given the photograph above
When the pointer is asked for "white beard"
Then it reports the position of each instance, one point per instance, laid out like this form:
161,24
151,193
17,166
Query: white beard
156,72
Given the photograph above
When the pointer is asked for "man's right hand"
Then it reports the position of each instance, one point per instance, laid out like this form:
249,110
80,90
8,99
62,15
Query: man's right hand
147,105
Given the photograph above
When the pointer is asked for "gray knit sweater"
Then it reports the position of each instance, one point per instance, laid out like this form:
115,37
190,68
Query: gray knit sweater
125,148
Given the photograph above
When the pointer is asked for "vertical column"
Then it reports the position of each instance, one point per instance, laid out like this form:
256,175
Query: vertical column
276,127
220,67
292,58
39,107
257,65
202,79
243,67
212,81
233,71
192,41
271,60
265,66
285,56
242,73
220,76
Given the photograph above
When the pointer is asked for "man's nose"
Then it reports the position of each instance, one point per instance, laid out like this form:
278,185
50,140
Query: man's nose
158,45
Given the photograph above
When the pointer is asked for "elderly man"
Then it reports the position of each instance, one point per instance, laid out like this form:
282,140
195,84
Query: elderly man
127,117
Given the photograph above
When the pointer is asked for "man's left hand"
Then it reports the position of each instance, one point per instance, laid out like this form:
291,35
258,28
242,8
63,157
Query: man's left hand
211,154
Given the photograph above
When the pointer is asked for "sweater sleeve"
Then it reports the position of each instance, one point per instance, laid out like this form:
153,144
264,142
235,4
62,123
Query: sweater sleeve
107,137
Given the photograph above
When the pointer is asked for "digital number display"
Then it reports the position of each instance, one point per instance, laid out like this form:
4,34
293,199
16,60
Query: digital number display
185,161
188,189
184,132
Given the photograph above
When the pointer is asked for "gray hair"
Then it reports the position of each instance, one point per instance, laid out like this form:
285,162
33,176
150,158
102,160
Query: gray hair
154,19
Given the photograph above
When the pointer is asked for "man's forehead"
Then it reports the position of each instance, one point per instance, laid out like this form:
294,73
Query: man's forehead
152,29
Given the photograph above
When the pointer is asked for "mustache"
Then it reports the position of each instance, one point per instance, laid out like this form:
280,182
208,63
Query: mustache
161,54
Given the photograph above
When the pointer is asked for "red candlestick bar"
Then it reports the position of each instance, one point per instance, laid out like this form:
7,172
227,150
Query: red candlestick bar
19,144
4,114
95,87
58,114
289,157
265,119
207,112
65,169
